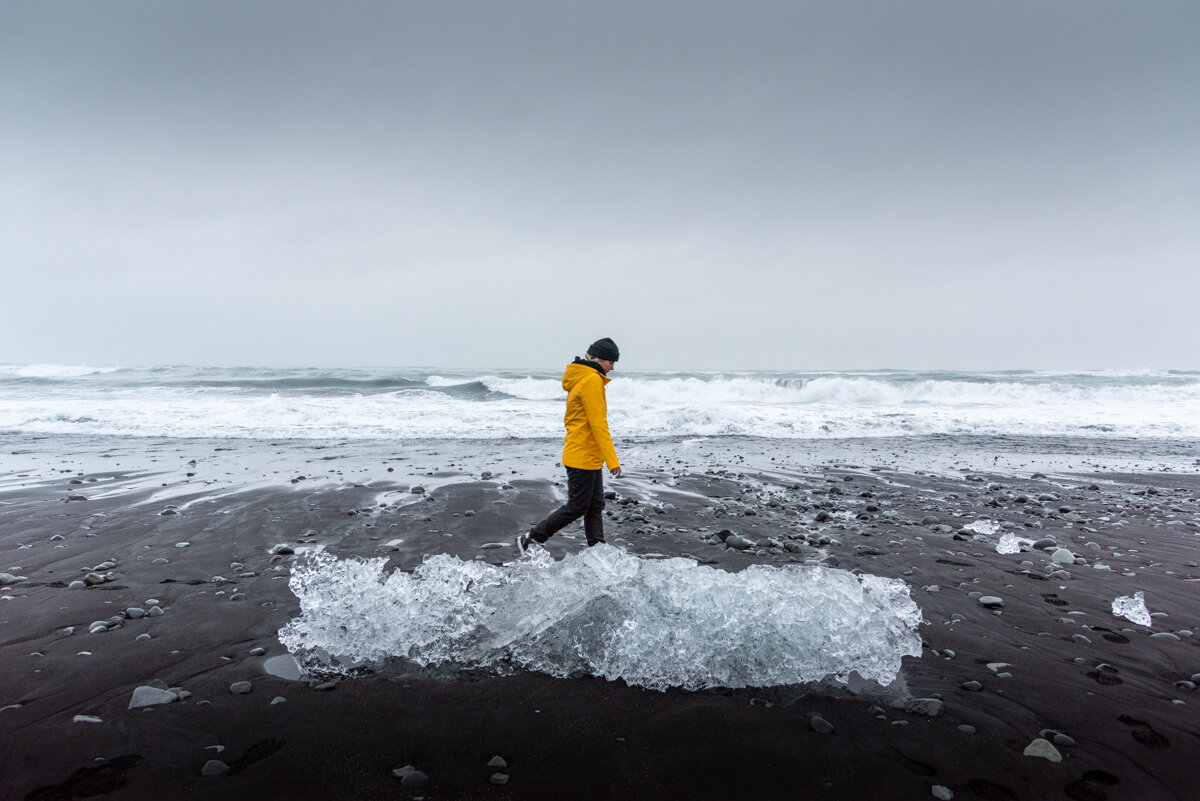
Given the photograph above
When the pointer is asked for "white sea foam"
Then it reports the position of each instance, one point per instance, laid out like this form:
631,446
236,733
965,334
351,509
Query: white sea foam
53,370
371,404
603,612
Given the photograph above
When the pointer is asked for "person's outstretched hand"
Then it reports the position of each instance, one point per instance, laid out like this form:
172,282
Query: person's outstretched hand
616,471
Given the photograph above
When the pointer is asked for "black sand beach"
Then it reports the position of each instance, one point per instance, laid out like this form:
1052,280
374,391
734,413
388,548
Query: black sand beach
192,528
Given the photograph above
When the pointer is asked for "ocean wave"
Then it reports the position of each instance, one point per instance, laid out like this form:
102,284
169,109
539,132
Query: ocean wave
53,371
378,403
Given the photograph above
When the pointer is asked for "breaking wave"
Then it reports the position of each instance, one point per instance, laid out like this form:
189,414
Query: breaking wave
604,612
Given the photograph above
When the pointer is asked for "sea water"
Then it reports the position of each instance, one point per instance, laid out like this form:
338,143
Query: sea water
400,404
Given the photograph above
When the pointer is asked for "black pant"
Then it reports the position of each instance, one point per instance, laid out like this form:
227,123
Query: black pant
585,498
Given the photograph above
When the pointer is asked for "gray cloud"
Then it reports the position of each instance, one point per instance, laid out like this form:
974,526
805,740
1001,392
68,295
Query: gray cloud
789,185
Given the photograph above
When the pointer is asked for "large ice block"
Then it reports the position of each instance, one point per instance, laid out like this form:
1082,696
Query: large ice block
604,612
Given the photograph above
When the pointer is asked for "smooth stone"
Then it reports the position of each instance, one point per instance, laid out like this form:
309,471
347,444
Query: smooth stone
966,728
1063,741
93,579
141,638
1163,635
1063,557
161,561
497,778
497,762
283,550
214,767
279,699
257,651
151,696
135,612
413,779
971,686
942,792
991,601
86,719
9,578
182,544
820,725
76,585
155,611
1044,749
240,687
931,707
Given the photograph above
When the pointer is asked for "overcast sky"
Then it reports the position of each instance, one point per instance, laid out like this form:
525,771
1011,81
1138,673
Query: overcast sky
787,185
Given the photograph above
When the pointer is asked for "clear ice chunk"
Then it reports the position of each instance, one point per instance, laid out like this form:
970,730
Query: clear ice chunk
1009,543
987,527
1132,609
604,612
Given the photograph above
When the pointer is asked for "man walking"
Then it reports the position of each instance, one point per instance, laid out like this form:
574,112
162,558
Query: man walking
587,448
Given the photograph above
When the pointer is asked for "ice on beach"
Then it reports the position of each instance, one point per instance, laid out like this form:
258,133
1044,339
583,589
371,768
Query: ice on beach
604,612
987,527
1009,543
1132,609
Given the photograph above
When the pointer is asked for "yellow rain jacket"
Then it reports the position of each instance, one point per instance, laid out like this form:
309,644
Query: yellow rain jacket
588,445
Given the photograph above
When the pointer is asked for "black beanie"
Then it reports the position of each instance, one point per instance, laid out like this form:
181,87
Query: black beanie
604,349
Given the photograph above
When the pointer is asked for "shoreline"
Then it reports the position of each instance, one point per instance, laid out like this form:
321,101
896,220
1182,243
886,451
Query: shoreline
1106,684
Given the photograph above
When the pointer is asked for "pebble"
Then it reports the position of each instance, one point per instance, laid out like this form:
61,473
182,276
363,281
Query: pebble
497,762
279,699
161,561
966,728
182,544
991,601
257,651
9,578
93,579
1063,557
86,719
931,707
135,612
240,687
1044,749
971,686
151,696
283,550
413,778
214,767
141,638
76,585
497,778
942,792
820,725
155,611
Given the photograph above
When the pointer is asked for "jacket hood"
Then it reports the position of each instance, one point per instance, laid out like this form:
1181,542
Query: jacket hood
579,370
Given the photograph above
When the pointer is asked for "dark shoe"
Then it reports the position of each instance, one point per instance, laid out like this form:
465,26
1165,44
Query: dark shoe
524,541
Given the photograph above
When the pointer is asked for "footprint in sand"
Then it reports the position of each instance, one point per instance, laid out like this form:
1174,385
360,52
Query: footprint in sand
1144,734
1091,786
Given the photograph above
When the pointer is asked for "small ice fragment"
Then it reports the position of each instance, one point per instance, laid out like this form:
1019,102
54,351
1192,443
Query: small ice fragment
1132,609
983,527
1009,543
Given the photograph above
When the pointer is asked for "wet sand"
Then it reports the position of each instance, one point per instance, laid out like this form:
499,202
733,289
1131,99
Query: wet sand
1052,662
